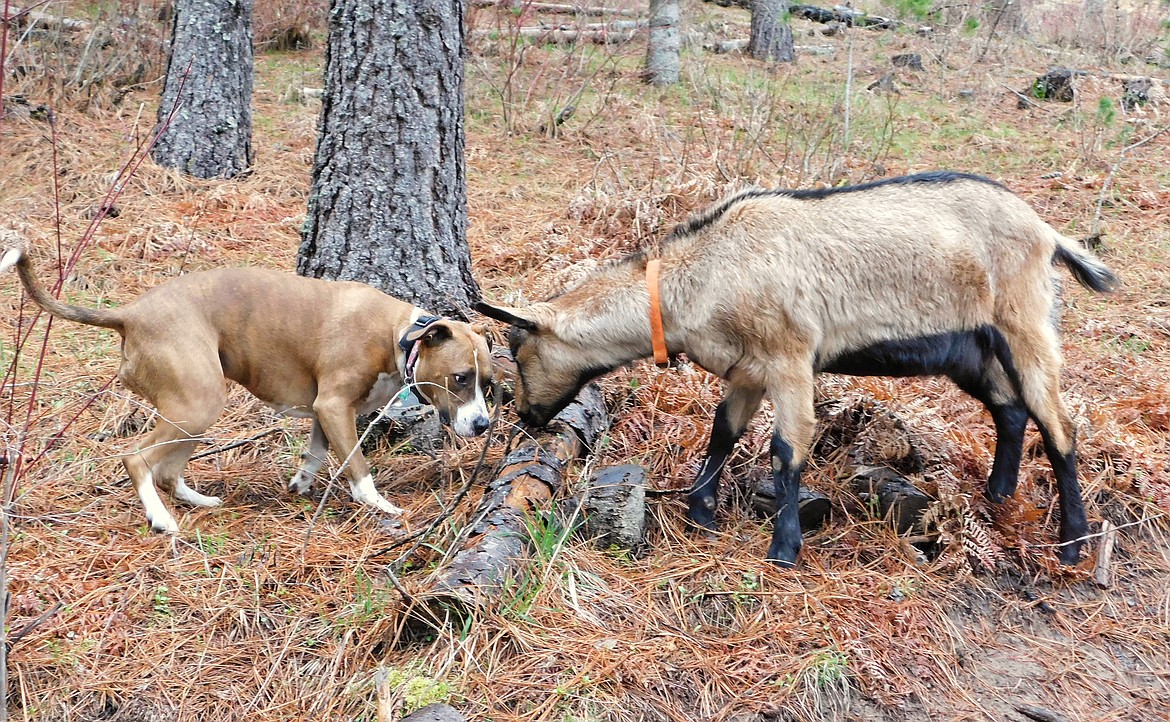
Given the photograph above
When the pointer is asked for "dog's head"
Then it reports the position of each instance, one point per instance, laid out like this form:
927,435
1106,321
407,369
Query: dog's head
453,373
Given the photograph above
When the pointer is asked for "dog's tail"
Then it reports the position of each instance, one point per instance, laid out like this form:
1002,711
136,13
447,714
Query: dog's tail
92,317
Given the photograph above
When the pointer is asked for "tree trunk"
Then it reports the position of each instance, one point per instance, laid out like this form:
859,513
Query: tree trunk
662,50
388,202
206,104
771,34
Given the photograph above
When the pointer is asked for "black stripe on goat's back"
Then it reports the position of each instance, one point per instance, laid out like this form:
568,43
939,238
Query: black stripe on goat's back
709,216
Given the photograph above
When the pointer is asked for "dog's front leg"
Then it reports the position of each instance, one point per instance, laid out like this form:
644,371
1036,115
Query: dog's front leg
337,421
311,460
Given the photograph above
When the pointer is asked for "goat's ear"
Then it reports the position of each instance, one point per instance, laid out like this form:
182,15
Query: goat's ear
482,330
507,315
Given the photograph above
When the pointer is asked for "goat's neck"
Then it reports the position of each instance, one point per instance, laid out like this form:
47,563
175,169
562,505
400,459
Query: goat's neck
607,318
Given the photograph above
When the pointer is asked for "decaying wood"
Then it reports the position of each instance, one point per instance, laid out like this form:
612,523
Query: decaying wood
1056,84
556,8
497,549
842,14
877,452
814,506
620,31
727,46
52,22
612,508
1102,570
1040,714
911,61
437,712
896,499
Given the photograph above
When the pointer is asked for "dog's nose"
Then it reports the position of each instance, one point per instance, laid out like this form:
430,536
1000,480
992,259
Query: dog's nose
480,425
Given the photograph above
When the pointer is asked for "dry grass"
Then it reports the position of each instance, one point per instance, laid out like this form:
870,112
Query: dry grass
254,612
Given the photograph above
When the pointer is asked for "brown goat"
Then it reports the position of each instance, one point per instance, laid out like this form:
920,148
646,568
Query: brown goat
931,274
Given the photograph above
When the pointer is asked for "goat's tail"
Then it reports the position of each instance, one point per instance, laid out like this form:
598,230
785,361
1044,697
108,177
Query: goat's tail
1084,266
90,316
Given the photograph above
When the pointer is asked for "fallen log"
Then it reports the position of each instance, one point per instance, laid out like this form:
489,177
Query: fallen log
621,31
47,21
497,549
894,497
814,506
842,14
556,8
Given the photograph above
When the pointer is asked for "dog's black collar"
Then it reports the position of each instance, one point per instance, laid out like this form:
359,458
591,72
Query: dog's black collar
409,345
405,343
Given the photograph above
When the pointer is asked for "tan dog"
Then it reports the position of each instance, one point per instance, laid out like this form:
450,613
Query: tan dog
318,349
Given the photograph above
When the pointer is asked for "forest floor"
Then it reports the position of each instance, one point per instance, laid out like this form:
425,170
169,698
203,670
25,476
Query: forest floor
263,610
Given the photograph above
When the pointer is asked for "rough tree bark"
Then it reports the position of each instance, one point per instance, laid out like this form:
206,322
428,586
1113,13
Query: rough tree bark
662,61
209,87
771,37
388,202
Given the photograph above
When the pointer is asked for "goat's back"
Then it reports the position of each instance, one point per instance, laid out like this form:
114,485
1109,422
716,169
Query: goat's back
901,258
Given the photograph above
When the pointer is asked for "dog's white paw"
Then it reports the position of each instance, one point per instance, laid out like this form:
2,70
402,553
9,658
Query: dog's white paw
189,495
383,505
163,524
300,483
364,492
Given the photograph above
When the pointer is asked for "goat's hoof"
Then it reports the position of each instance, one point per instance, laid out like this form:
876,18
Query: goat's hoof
1069,555
783,556
701,514
998,496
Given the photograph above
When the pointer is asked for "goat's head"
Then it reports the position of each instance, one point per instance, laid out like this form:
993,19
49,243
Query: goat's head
552,369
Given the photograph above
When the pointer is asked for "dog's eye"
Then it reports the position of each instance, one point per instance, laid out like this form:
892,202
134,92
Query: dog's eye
460,379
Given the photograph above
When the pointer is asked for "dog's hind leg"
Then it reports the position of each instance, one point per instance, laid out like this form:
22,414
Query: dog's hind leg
337,421
186,408
312,460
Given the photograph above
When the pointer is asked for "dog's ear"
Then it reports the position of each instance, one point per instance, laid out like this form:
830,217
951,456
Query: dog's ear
436,333
430,335
507,315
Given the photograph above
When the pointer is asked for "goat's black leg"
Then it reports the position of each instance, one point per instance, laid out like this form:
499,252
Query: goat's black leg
991,386
1074,524
791,391
1011,420
988,379
786,534
1035,355
731,419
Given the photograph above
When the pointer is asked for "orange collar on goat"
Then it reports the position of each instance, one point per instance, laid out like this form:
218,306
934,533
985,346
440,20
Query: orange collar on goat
657,335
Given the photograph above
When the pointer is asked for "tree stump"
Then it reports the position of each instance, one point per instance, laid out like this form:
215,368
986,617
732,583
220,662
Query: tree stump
771,35
910,61
1056,84
613,508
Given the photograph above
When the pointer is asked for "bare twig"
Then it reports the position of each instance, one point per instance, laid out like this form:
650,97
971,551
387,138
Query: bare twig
1101,571
1113,171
